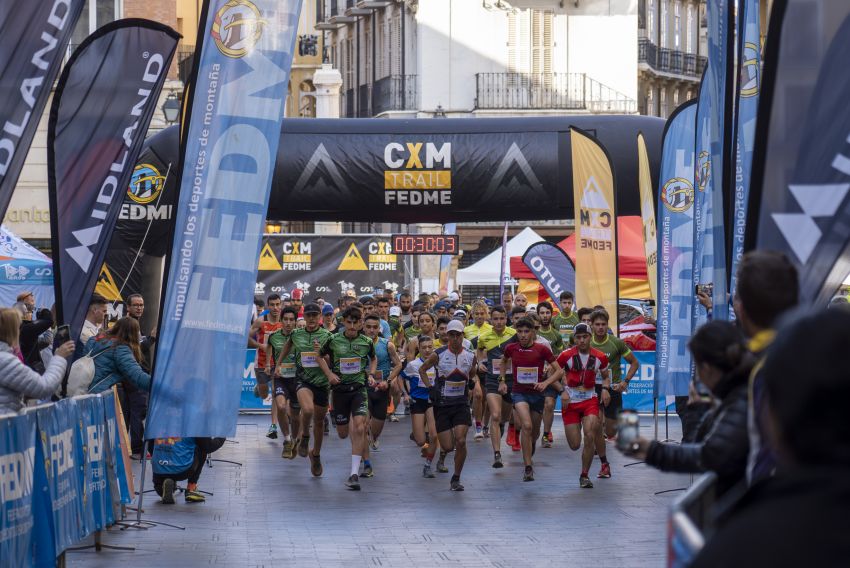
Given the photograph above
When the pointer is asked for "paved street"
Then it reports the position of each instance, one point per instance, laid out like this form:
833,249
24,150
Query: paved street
272,512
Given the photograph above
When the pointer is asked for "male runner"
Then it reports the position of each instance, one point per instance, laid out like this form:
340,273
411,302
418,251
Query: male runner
527,359
411,328
490,347
456,368
565,321
284,382
553,335
422,411
312,389
261,328
405,301
579,402
479,321
352,356
388,368
614,349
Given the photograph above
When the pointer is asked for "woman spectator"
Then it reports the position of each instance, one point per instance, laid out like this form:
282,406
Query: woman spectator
117,357
721,445
16,379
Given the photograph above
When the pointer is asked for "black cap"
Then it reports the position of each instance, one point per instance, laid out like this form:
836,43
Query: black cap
581,328
312,309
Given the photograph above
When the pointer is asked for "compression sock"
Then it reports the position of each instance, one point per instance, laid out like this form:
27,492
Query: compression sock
191,486
355,465
603,459
583,473
367,463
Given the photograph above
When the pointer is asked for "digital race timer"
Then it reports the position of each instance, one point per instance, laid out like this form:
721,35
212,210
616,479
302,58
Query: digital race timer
425,244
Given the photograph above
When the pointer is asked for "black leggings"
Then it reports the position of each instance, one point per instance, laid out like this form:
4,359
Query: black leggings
192,474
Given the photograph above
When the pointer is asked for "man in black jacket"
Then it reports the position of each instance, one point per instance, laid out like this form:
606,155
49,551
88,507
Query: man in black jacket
800,515
136,399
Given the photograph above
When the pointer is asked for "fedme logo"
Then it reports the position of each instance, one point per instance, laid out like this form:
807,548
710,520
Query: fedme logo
418,173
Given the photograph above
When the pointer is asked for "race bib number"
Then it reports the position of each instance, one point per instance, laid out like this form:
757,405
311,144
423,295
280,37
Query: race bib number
453,389
309,359
526,375
432,376
497,367
379,375
349,365
287,370
579,394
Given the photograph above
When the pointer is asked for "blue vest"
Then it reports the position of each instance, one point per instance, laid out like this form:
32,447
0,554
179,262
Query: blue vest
382,352
172,455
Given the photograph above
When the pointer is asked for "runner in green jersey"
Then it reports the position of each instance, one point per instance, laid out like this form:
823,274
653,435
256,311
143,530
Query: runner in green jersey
283,381
553,335
353,366
565,321
614,349
305,345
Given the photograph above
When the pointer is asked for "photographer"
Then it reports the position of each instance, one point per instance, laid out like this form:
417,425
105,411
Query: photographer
721,445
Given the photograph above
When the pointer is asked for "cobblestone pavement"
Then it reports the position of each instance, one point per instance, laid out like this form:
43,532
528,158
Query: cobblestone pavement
272,512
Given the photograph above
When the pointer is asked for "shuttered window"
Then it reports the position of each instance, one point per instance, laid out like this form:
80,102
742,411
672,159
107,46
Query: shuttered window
530,41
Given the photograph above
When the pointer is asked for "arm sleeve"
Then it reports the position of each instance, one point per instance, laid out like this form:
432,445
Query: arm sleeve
130,369
18,377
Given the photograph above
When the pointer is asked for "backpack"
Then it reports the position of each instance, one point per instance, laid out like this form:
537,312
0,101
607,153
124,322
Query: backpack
82,374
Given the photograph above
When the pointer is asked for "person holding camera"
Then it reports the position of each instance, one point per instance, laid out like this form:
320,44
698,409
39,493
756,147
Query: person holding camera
721,444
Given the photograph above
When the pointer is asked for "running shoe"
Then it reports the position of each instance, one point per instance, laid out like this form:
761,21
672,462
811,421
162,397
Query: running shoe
512,436
353,483
194,497
550,437
529,474
516,446
367,472
168,492
584,482
427,473
486,431
272,433
316,465
441,466
374,445
288,450
479,434
456,485
304,446
423,451
497,460
546,443
605,471
257,391
393,418
612,439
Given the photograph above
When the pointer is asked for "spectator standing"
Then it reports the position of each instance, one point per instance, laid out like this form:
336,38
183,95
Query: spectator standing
136,399
117,357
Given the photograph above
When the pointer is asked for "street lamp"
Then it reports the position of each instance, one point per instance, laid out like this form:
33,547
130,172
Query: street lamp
171,108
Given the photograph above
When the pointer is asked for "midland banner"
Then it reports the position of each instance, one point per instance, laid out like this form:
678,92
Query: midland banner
647,214
33,39
104,102
713,147
328,266
801,165
552,268
596,229
675,303
231,136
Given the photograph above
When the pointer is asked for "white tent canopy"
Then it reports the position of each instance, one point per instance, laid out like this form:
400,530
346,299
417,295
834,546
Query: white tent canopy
486,271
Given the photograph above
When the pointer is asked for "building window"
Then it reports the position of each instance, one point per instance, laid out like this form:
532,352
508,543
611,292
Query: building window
677,25
663,23
530,41
689,33
676,98
650,18
96,13
663,97
650,103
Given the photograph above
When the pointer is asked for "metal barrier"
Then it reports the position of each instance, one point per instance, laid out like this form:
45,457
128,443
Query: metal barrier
690,521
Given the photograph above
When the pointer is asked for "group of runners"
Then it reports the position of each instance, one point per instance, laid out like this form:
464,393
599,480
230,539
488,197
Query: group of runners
496,369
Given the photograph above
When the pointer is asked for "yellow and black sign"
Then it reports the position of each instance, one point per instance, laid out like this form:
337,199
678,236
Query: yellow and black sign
106,285
381,257
418,173
268,261
297,255
352,260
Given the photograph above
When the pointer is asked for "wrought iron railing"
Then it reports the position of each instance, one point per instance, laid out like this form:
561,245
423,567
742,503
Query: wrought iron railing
670,60
394,92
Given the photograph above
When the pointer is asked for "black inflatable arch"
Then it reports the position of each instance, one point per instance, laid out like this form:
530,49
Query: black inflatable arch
440,170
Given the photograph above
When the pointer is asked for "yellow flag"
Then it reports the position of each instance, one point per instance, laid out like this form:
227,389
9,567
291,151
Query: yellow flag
647,214
596,227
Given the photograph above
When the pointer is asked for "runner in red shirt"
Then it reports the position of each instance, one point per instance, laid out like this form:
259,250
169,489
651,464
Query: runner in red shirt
578,401
527,359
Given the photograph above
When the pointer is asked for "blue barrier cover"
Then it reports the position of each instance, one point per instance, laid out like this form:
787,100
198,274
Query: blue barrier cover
115,448
17,462
98,509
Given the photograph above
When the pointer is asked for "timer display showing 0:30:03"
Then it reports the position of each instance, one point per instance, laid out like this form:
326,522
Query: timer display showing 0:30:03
425,244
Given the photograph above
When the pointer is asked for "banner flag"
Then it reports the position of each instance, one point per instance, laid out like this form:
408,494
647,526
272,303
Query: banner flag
17,463
746,109
104,102
231,137
712,167
33,39
552,268
596,229
675,303
111,412
58,427
94,442
647,214
801,166
446,261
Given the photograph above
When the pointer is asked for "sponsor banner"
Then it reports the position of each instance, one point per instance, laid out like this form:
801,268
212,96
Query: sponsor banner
17,465
104,102
33,40
329,266
98,503
596,230
552,268
247,400
746,109
59,431
119,450
801,165
446,261
647,215
641,393
676,300
232,131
